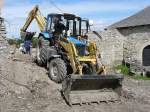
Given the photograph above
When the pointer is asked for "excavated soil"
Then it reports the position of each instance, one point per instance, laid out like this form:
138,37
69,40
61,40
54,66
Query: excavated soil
26,87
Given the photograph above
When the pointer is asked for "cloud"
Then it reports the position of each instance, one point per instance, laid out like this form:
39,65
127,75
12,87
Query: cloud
16,11
89,7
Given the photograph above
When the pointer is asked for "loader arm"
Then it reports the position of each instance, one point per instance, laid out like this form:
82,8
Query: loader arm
34,14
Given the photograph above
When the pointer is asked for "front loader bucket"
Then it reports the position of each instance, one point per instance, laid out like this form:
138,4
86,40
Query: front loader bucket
78,89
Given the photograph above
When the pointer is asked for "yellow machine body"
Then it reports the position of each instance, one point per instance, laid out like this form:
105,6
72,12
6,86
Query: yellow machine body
76,60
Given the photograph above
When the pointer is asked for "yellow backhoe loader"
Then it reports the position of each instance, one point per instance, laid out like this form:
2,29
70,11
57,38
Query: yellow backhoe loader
71,59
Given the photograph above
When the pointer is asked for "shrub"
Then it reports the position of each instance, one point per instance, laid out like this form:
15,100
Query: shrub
34,42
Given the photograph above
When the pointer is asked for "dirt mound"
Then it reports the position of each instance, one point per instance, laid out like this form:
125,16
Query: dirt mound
26,87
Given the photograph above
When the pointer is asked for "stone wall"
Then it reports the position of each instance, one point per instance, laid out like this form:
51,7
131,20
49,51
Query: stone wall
136,39
2,28
110,47
126,44
3,41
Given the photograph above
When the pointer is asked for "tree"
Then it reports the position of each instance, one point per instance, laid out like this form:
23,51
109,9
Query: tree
34,42
16,42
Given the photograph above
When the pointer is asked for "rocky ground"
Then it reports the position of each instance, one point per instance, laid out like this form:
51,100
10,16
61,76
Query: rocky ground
26,87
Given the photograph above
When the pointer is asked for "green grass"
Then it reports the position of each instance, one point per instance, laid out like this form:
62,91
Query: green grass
126,71
139,77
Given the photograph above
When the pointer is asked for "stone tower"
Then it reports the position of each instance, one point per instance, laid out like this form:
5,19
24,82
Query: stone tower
2,28
2,25
3,41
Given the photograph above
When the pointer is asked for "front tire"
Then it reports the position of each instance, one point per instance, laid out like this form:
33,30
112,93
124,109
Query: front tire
57,70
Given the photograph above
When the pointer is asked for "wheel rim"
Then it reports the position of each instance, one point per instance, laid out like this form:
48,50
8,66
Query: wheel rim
54,70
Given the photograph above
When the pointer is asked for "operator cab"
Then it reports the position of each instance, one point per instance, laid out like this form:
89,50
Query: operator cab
57,23
68,24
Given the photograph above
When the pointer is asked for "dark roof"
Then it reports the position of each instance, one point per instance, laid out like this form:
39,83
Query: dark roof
138,19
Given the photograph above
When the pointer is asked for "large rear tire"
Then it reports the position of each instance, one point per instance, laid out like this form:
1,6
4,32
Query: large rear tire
57,70
41,51
38,58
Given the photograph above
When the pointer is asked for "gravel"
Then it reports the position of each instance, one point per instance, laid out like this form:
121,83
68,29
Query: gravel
26,87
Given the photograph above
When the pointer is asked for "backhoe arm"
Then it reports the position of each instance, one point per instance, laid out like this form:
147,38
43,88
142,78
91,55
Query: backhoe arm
34,14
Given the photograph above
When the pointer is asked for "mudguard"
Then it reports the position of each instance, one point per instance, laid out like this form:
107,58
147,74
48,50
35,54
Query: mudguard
46,35
76,41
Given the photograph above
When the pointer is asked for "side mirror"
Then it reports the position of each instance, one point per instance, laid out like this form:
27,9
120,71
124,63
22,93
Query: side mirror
91,22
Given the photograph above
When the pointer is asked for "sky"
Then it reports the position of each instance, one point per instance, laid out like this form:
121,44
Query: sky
102,12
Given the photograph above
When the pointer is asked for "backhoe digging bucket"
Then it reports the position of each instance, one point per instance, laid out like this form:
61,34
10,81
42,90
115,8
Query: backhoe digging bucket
85,89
